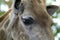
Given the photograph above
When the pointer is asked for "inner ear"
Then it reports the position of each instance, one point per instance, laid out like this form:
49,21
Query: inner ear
51,9
16,4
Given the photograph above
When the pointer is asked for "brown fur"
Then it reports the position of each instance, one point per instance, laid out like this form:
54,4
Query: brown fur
4,15
15,29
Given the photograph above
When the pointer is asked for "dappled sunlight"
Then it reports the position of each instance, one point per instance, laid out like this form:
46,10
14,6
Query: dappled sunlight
57,37
4,7
56,20
7,0
52,2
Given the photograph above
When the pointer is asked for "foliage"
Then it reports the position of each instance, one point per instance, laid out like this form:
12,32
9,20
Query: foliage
1,13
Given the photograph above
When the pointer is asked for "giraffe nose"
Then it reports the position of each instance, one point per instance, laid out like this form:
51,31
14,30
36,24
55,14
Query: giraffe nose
27,20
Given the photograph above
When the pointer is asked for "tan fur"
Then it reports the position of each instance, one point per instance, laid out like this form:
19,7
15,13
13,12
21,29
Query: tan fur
4,17
14,29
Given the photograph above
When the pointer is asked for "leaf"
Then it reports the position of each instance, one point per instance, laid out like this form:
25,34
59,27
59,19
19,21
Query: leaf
58,11
1,13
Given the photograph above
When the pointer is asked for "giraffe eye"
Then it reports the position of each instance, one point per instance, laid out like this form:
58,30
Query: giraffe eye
27,20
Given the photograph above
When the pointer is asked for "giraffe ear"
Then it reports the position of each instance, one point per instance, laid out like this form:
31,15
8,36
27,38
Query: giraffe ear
51,9
16,4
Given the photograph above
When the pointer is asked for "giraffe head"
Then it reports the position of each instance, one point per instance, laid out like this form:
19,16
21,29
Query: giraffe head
30,20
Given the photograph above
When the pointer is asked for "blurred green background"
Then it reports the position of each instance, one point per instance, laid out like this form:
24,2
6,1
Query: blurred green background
6,4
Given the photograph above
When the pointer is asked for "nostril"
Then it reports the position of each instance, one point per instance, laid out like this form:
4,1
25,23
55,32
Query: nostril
27,20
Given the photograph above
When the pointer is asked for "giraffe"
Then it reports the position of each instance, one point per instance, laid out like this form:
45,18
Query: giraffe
27,20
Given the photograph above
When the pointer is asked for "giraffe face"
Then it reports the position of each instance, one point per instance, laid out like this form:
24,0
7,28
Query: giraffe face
30,21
